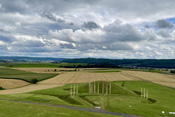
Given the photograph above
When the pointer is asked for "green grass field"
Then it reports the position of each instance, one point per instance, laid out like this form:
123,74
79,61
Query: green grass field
124,98
12,109
23,75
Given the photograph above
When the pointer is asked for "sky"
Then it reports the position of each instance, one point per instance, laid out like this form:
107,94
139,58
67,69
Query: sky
120,29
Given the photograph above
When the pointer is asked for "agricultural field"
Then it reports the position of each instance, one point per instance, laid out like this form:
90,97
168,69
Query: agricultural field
158,78
124,97
12,83
46,70
7,73
39,65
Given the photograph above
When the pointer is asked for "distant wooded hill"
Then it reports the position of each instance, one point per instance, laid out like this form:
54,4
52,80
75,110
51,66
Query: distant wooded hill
152,63
28,59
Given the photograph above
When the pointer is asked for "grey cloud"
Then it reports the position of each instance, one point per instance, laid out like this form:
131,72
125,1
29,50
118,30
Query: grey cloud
147,26
91,46
14,6
52,17
110,46
6,39
67,46
164,33
117,37
123,32
164,24
28,43
60,23
90,25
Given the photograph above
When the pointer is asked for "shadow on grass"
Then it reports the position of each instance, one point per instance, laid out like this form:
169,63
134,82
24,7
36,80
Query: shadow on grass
149,99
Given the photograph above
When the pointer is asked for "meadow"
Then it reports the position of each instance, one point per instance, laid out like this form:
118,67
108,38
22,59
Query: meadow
11,109
124,98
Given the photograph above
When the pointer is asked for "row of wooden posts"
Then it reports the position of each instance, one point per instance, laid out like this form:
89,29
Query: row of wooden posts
144,93
74,89
94,88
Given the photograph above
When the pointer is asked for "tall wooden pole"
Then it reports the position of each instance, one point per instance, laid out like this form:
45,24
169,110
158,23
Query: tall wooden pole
89,88
141,92
106,88
74,89
144,92
98,88
71,90
110,88
94,87
77,89
103,88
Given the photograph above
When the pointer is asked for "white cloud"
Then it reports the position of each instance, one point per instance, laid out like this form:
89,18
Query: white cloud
83,28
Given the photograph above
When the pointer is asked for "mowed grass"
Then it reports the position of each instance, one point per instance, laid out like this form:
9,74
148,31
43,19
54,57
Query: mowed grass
162,96
13,109
125,98
23,75
40,65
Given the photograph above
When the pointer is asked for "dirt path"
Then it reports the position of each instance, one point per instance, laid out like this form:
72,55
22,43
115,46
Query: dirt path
74,108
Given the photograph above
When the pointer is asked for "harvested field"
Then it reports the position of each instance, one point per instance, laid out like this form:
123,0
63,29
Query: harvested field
46,70
70,77
12,83
28,88
83,77
162,79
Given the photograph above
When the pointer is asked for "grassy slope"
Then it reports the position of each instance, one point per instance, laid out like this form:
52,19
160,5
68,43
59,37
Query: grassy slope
164,97
23,75
11,109
122,100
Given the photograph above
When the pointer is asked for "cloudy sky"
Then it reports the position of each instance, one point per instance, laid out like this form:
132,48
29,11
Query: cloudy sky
88,28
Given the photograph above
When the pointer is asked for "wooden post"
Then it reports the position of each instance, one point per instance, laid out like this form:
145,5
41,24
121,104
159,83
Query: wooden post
98,88
106,88
77,89
144,92
94,87
110,88
74,89
141,92
89,88
102,87
71,91
147,94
